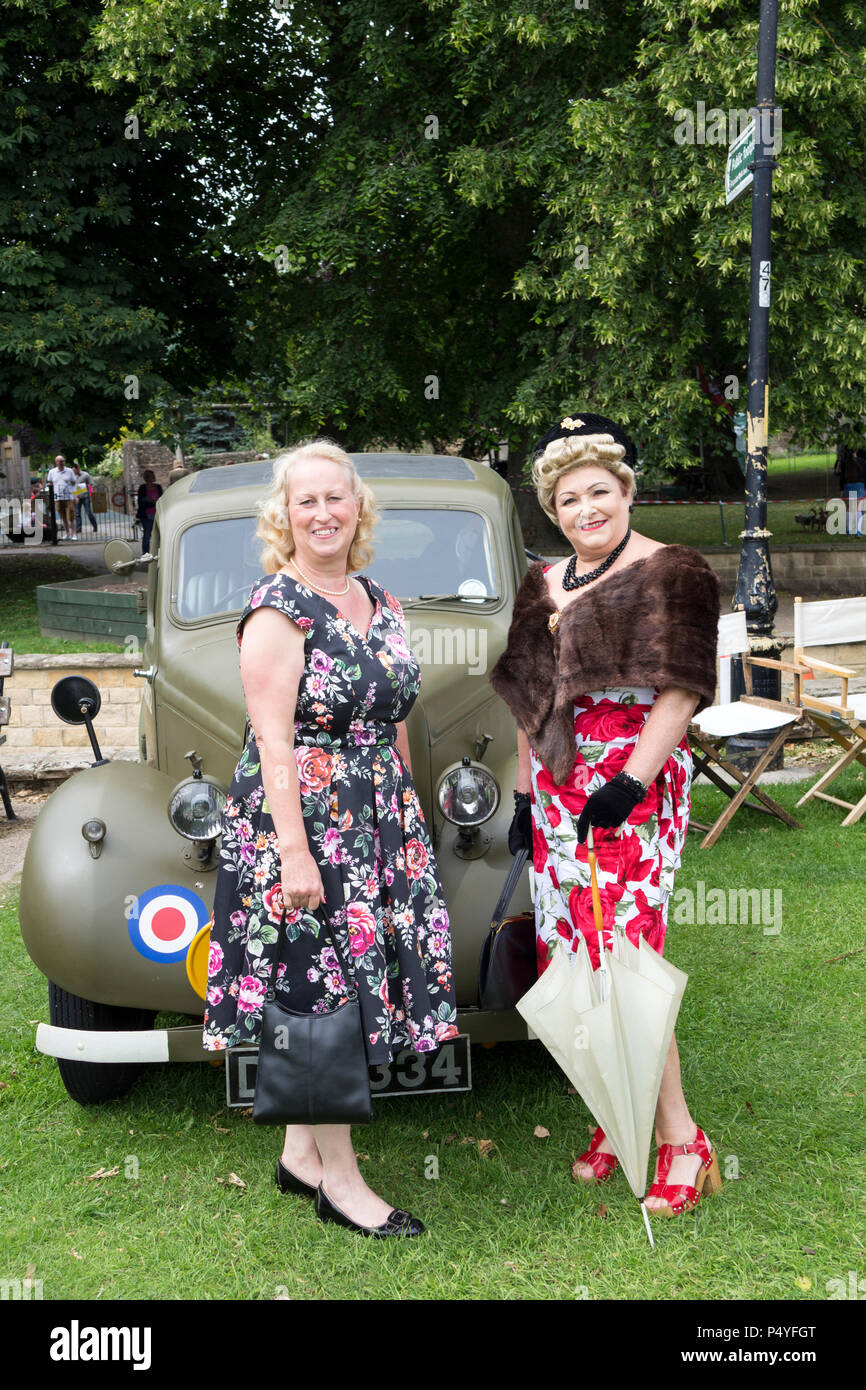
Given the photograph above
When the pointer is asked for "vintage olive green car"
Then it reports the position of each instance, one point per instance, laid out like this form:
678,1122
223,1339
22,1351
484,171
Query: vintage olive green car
119,877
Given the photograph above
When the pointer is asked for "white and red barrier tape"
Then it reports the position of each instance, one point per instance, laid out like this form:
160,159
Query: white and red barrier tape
703,501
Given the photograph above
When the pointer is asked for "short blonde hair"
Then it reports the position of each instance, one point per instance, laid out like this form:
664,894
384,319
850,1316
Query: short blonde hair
274,529
578,451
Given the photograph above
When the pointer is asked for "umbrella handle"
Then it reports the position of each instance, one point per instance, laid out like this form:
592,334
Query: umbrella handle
596,897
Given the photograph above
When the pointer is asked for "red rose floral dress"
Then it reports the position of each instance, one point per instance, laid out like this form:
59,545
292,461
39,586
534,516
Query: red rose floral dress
637,866
367,833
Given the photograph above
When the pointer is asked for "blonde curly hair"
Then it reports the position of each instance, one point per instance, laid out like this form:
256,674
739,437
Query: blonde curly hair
273,527
563,455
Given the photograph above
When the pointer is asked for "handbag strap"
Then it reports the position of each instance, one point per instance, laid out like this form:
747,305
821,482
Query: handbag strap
351,988
514,873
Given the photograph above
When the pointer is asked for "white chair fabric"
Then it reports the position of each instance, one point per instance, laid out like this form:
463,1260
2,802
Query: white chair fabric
734,719
827,622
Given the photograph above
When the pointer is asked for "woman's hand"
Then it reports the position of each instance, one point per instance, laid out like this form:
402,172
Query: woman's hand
610,805
301,880
520,829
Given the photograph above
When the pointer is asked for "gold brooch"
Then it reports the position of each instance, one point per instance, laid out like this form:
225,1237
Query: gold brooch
553,621
569,424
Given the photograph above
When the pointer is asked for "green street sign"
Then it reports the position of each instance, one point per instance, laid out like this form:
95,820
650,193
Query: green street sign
740,154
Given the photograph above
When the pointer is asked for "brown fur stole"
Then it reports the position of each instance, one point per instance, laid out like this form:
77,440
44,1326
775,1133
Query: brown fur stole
653,623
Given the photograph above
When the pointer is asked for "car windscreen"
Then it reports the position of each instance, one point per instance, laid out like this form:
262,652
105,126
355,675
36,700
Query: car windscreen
417,551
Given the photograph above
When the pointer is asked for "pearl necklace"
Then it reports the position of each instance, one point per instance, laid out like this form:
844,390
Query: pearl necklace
320,589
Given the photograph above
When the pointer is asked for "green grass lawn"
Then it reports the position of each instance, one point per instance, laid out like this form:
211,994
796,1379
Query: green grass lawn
19,618
701,526
770,1035
791,480
800,463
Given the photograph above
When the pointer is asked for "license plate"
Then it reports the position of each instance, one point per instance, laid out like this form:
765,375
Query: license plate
449,1068
242,1063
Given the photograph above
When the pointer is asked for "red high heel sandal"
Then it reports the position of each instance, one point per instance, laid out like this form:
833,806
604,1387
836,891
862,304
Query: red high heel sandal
681,1197
602,1165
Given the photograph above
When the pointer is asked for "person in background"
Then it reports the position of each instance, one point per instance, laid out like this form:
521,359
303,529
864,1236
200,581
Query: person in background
149,493
851,467
81,492
63,482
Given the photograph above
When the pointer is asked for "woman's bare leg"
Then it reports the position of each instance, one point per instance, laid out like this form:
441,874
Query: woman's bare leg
342,1180
674,1125
300,1154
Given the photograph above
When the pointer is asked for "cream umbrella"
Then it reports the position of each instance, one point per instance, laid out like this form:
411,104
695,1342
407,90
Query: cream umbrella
610,1030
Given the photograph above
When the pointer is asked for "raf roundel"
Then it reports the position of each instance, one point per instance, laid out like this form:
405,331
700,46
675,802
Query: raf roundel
165,921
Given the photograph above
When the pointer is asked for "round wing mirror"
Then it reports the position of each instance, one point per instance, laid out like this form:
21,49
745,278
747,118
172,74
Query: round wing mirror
76,700
66,698
119,557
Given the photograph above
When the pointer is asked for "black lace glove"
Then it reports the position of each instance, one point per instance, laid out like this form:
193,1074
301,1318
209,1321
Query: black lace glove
520,829
611,804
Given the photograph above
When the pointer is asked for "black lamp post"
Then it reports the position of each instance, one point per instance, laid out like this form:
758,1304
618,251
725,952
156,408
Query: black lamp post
755,591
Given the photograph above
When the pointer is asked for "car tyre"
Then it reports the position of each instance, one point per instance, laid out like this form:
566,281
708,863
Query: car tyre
91,1083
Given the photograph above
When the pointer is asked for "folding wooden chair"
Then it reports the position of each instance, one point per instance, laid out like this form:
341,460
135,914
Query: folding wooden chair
824,624
734,718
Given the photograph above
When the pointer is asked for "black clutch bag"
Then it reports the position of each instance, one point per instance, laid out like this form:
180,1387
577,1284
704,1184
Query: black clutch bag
508,966
312,1068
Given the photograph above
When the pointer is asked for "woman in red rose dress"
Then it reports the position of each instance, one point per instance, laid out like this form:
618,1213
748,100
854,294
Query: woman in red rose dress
609,655
637,861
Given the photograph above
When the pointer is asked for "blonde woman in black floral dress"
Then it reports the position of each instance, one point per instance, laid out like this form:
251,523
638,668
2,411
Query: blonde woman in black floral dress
322,811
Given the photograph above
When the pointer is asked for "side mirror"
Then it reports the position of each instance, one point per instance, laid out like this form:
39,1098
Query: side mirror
119,557
76,700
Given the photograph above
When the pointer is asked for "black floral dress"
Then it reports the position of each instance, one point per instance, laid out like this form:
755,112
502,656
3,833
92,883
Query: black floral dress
366,831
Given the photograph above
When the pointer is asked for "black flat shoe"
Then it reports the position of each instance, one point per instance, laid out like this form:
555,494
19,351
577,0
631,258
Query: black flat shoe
287,1182
399,1223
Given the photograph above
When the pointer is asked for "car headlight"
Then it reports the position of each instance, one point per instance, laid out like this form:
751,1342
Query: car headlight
195,808
468,793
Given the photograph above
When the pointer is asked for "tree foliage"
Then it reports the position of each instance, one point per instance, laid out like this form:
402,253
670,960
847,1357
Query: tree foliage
459,219
107,293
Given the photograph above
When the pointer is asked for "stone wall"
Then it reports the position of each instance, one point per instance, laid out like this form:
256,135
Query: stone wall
141,454
39,744
819,572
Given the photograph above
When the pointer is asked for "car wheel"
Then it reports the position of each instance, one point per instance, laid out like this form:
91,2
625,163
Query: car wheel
91,1083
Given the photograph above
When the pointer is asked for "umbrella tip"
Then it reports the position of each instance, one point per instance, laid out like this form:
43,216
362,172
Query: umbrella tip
646,1222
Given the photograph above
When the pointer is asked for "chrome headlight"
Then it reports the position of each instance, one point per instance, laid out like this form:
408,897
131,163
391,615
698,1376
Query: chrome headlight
195,808
468,793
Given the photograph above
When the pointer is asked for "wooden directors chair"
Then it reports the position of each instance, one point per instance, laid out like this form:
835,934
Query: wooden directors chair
844,719
735,718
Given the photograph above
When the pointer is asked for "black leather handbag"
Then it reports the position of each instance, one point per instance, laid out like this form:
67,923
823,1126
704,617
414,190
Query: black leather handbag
508,966
312,1068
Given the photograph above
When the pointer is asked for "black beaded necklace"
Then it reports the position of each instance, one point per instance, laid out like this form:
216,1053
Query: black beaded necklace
570,580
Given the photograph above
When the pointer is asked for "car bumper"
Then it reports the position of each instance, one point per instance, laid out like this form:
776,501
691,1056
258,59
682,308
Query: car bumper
183,1044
